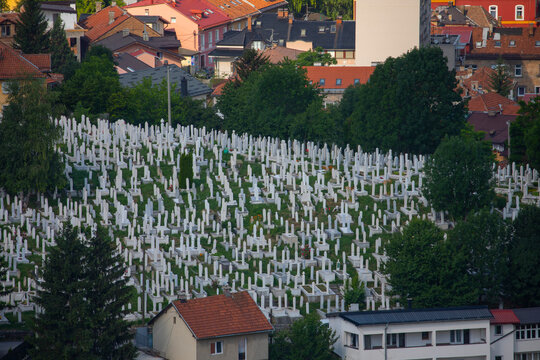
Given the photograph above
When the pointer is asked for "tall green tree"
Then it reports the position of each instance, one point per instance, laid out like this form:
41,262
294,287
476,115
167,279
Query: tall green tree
307,339
63,60
523,277
458,176
62,325
309,58
482,242
107,295
408,105
500,80
4,5
186,170
525,134
93,84
250,61
423,267
29,162
31,35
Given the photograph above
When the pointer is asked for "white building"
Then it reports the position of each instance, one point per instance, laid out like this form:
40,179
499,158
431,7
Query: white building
451,333
390,28
515,334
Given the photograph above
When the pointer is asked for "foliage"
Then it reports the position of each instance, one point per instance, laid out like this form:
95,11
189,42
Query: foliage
28,160
408,105
423,267
482,241
31,35
500,80
250,61
63,60
355,292
335,8
275,101
524,273
146,102
309,58
4,5
525,135
93,84
307,339
468,132
458,176
89,6
106,293
62,328
186,170
99,50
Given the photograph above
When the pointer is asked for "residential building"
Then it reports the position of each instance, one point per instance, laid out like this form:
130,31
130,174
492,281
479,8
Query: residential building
473,83
515,334
216,327
156,23
518,47
449,333
463,16
7,27
510,13
277,54
334,80
387,28
451,48
199,25
125,63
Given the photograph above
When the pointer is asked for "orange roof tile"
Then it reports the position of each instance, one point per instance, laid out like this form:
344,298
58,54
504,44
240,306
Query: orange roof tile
235,9
42,61
478,82
222,315
264,4
493,102
99,23
13,65
514,43
504,316
347,74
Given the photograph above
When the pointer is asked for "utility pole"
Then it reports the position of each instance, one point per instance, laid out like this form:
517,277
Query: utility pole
168,93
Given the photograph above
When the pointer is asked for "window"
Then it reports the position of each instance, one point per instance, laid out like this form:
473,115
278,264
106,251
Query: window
338,82
512,43
159,55
333,29
349,54
210,39
498,43
493,10
456,336
321,29
202,41
321,82
146,12
242,345
173,20
352,340
303,32
216,348
521,91
517,71
537,43
367,342
6,30
519,12
356,81
5,89
498,329
425,335
498,357
217,35
391,340
174,320
537,90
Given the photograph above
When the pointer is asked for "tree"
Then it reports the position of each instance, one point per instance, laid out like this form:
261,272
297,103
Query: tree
482,242
309,58
106,294
307,339
93,84
525,134
62,326
500,80
422,267
408,105
28,160
355,292
63,60
458,176
186,170
523,281
4,6
250,61
31,35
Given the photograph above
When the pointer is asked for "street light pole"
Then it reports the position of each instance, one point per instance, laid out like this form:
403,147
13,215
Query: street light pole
168,93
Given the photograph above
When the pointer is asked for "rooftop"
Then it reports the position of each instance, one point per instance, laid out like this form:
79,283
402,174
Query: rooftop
509,43
494,125
15,65
493,102
504,316
121,40
339,77
528,315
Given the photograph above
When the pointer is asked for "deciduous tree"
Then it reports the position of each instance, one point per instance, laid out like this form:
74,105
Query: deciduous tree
525,134
309,58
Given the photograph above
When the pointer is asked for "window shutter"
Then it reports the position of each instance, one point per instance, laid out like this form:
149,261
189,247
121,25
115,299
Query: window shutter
212,348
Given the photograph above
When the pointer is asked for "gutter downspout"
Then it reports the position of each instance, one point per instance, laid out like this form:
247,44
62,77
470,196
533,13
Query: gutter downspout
385,344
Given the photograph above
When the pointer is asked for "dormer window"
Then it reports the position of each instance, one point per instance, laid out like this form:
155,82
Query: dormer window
321,29
303,33
332,29
512,43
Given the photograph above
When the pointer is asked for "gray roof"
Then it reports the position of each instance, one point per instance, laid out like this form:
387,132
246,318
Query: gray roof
130,63
157,75
57,8
226,53
528,315
119,41
416,315
153,19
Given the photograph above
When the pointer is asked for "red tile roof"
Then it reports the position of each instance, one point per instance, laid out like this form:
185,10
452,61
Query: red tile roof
279,53
504,316
493,102
42,61
9,18
524,46
222,315
195,10
13,65
98,23
347,74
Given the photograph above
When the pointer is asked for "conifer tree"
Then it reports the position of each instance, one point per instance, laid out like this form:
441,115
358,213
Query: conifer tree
63,60
500,80
31,35
106,295
186,169
61,327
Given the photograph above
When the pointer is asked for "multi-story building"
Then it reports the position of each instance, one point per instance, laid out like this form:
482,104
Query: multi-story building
387,28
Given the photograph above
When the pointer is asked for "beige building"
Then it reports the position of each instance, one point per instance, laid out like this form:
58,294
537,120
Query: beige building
221,327
387,28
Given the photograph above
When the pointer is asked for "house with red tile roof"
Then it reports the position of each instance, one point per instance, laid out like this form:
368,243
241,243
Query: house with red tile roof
334,80
229,326
515,333
493,102
475,83
7,27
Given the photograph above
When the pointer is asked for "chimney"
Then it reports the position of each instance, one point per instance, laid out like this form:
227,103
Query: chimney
125,32
183,87
249,23
113,3
339,20
145,36
291,18
450,17
98,6
354,10
111,17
